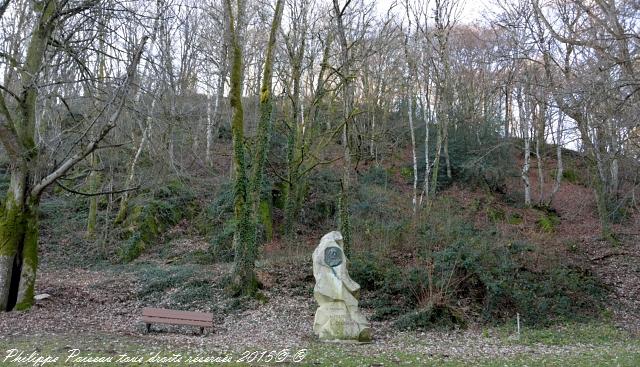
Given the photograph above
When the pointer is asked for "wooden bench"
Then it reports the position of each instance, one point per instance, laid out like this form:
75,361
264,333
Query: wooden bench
173,317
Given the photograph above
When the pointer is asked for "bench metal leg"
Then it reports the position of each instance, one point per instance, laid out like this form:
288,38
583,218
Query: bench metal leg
148,328
202,331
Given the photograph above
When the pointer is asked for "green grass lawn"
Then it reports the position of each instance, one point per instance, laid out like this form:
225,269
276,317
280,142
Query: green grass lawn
593,344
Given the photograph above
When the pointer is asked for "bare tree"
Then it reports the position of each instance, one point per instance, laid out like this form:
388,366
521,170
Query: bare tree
347,96
19,218
602,68
445,16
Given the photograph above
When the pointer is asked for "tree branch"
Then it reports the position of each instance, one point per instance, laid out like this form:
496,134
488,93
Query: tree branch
93,144
9,92
10,140
3,7
95,193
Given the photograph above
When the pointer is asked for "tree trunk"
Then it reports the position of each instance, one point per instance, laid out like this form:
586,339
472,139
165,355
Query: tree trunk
414,200
614,148
243,281
438,152
94,177
124,201
372,151
19,236
445,142
213,118
219,95
18,214
524,123
343,202
412,69
209,133
508,108
541,122
295,143
264,129
94,182
426,115
559,164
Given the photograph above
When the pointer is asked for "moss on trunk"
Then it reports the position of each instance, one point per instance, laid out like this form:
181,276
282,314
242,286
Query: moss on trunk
247,193
19,253
29,253
266,218
243,276
264,135
18,215
122,211
11,234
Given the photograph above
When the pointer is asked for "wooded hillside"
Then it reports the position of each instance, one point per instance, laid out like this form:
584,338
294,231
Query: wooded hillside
197,151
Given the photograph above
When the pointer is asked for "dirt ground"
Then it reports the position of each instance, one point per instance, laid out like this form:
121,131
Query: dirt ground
86,303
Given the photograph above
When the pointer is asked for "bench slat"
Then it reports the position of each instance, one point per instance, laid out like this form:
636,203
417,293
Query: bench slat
163,320
175,314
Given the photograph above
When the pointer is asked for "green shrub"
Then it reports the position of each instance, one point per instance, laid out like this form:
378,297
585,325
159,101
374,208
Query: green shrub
222,204
221,245
371,272
461,271
320,202
192,293
548,222
378,215
376,176
217,222
478,158
155,281
570,175
562,293
438,317
386,312
216,213
621,210
375,203
180,287
224,132
132,248
514,219
495,214
514,197
407,173
202,257
149,219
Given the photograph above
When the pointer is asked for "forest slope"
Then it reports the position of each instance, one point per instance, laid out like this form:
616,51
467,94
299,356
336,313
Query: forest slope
95,291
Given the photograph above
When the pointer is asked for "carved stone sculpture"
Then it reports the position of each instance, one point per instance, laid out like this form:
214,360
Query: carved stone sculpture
337,317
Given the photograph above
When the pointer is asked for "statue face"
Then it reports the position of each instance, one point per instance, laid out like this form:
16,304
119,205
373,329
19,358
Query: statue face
333,256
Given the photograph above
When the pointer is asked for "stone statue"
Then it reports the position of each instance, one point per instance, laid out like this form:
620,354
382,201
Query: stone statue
337,316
